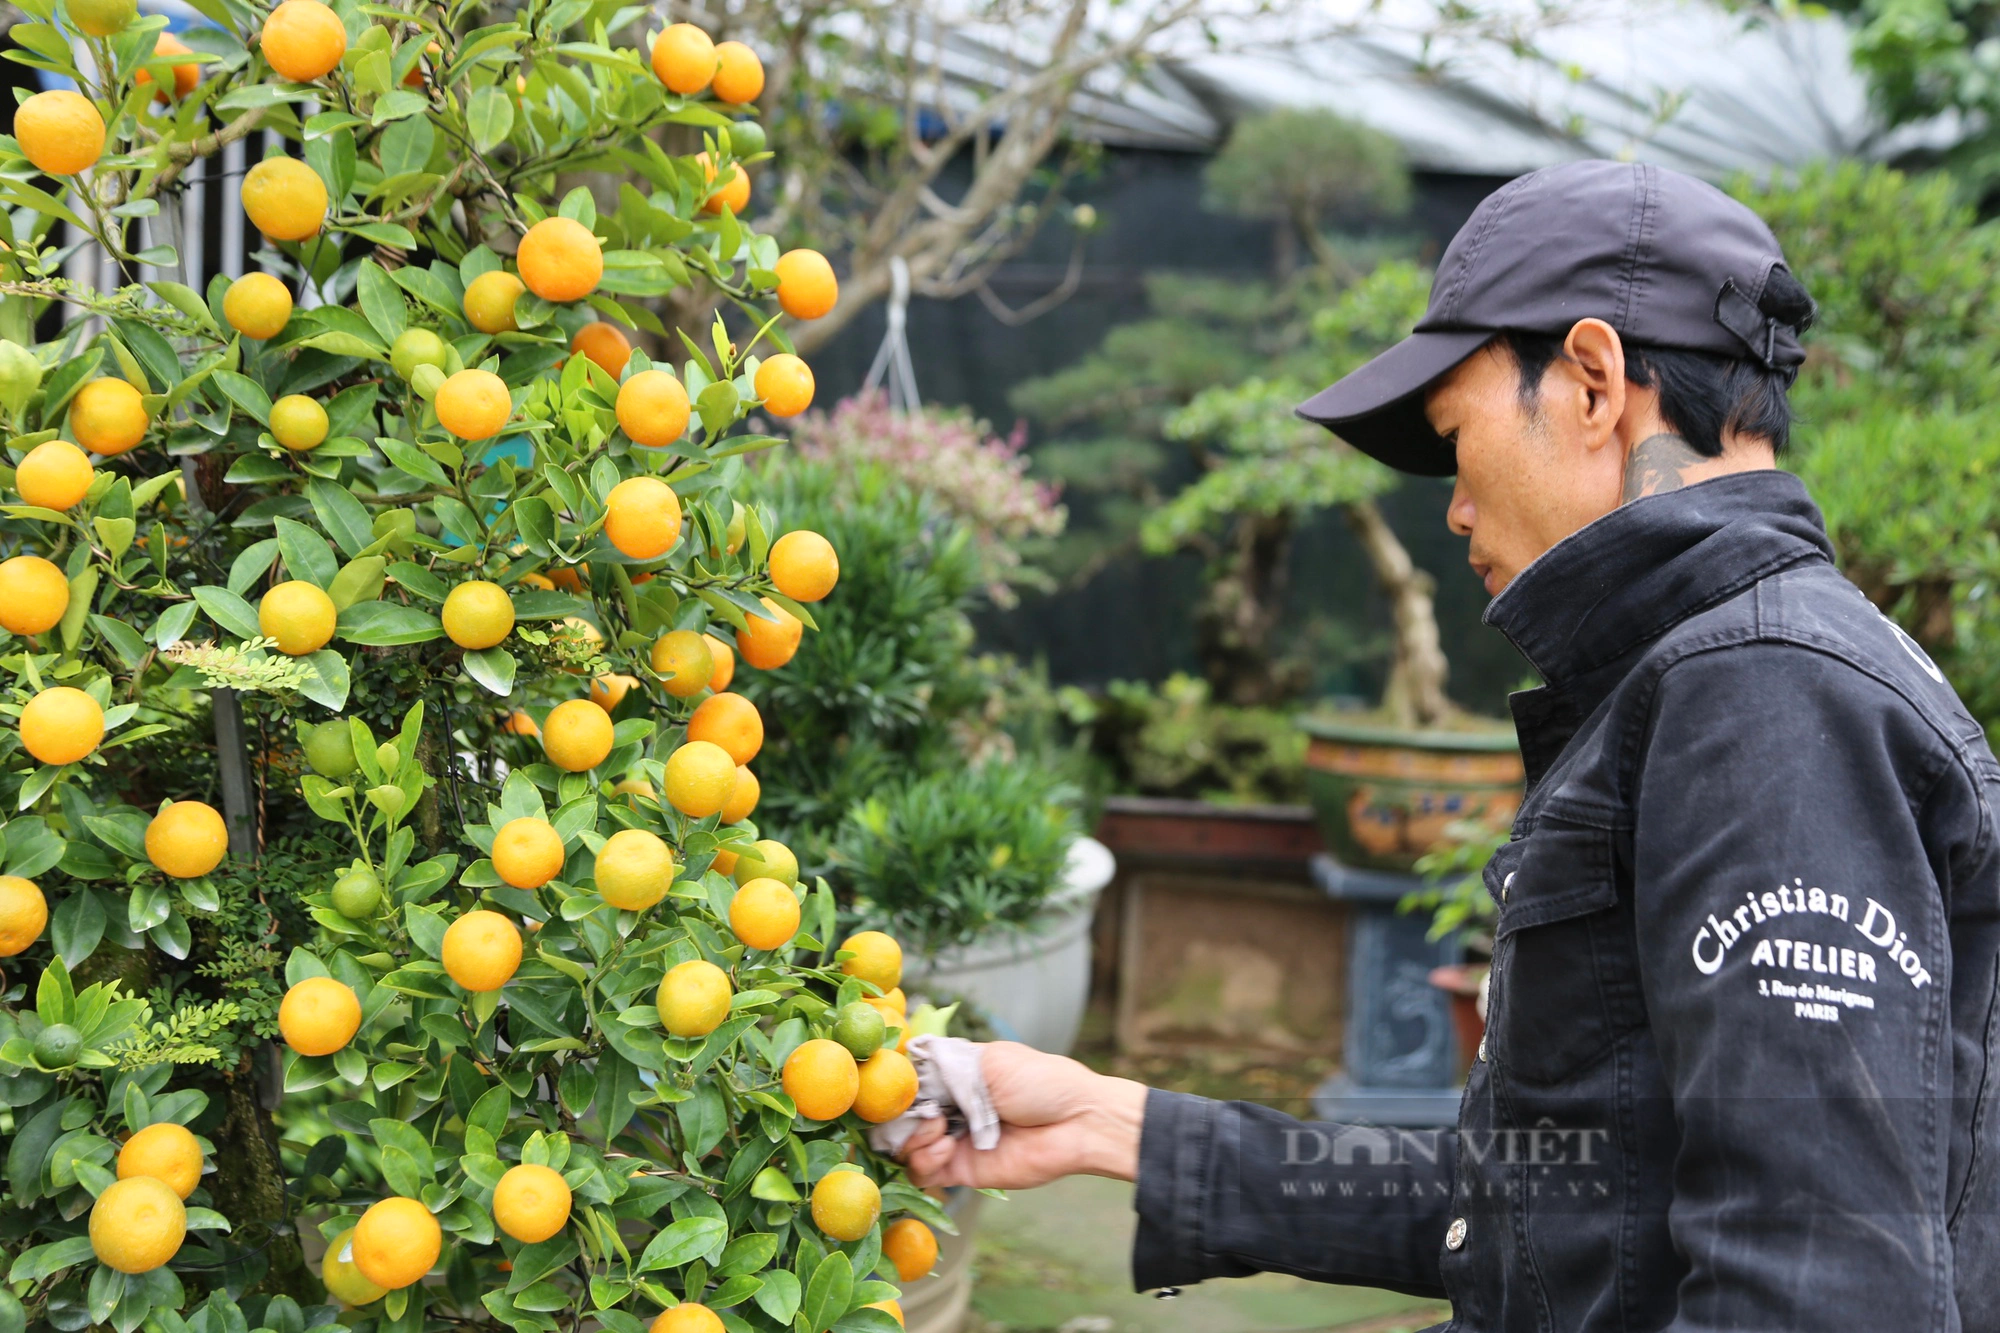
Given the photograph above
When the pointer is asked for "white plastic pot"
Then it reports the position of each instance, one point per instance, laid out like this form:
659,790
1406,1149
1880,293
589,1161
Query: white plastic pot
937,1303
1031,981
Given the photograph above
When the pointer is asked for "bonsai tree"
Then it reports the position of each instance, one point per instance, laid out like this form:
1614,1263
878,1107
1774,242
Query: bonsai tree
478,1001
1899,400
1216,373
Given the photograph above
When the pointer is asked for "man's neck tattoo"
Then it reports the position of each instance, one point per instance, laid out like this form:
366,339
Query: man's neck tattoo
1659,463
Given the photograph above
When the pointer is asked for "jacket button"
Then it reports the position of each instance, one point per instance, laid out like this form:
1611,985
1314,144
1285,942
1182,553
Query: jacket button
1482,1047
1506,884
1454,1236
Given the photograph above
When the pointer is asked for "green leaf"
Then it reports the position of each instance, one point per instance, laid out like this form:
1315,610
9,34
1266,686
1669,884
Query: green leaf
426,928
490,117
207,1219
66,380
331,681
418,580
360,580
341,343
85,860
384,233
306,554
748,1254
326,122
733,1291
828,1293
186,300
351,412
490,1112
493,668
115,534
579,205
228,610
617,1080
77,926
779,1296
345,518
546,604
163,365
399,105
122,637
245,392
123,832
251,96
535,521
255,560
82,591
406,145
379,624
400,1173
773,1186
683,1242
45,1261
29,1152
532,1263
414,461
255,469
128,365
32,846
431,289
865,1320
173,624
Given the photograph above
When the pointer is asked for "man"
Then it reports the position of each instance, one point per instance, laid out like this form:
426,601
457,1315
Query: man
1743,1024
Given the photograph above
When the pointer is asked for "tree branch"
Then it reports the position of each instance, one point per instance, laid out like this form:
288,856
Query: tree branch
1032,111
180,155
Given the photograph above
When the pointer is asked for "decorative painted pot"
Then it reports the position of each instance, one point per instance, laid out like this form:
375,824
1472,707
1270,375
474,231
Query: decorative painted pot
1385,796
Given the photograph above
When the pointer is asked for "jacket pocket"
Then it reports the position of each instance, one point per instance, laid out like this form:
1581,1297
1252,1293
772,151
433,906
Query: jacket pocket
1562,954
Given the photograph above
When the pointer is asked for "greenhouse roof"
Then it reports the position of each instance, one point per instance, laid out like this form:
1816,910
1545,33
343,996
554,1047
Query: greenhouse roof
1525,84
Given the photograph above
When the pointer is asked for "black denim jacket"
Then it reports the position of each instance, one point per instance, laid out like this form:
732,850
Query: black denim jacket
1742,1025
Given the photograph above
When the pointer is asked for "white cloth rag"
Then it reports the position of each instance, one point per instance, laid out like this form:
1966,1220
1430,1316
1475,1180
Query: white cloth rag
950,1084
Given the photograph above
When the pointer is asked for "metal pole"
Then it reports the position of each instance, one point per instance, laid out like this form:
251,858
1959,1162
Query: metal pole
232,747
239,791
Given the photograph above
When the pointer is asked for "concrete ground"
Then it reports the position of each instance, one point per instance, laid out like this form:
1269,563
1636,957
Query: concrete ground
1058,1258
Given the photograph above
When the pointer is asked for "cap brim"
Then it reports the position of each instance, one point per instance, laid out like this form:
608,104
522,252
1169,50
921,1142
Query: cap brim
1379,408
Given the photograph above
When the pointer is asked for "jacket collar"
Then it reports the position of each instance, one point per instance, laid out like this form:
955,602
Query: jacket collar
1628,578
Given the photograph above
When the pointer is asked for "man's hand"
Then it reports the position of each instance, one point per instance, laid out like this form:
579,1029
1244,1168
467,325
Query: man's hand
1057,1118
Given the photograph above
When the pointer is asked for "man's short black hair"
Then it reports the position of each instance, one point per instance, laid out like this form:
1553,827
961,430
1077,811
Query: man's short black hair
1701,394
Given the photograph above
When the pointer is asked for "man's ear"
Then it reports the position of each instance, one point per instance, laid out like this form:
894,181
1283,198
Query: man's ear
1593,385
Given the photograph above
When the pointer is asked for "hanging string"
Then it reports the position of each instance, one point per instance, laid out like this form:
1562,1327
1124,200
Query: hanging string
893,359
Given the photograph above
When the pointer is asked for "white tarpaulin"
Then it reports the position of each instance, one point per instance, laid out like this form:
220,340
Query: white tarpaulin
1526,84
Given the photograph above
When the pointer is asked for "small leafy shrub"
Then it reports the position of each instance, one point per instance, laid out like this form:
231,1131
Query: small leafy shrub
953,854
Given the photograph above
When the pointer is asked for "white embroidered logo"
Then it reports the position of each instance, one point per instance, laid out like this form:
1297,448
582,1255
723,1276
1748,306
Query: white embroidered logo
1914,649
1714,940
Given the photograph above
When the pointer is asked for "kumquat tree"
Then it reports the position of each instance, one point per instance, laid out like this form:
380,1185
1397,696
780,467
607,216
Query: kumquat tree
373,617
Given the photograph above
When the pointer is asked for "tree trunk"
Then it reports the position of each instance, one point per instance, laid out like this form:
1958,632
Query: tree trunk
1240,610
429,814
1414,695
249,1183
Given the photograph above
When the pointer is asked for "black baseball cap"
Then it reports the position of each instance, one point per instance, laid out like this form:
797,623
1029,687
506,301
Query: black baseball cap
1665,259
